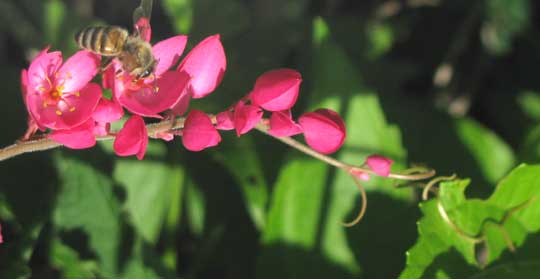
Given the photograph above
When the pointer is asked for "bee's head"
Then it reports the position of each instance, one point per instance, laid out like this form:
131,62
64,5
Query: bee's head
147,70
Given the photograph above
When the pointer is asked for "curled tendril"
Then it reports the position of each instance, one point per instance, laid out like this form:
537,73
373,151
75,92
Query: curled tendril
433,182
454,227
364,204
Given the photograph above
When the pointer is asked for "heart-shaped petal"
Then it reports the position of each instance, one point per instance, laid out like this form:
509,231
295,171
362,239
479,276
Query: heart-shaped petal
206,64
276,90
324,130
282,124
132,139
199,133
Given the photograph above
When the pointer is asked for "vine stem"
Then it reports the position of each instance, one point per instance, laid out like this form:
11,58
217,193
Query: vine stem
171,125
41,144
416,173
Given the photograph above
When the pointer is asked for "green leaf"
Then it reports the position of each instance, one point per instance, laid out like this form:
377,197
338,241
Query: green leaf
148,187
86,202
530,104
494,157
504,20
181,14
239,156
55,12
68,261
509,214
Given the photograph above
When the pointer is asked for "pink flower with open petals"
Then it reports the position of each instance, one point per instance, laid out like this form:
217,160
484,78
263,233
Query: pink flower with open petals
282,124
199,133
152,95
277,90
59,96
79,137
379,164
246,117
324,130
132,139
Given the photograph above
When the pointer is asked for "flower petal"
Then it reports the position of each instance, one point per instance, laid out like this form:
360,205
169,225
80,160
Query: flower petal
277,90
146,101
199,132
379,164
42,70
167,53
107,111
132,139
225,120
102,129
182,105
246,117
79,137
324,130
282,124
206,64
77,71
143,28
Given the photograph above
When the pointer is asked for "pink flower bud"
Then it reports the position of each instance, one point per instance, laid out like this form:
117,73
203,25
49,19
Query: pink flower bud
225,120
361,175
282,124
132,139
379,164
246,117
206,64
324,130
276,90
199,132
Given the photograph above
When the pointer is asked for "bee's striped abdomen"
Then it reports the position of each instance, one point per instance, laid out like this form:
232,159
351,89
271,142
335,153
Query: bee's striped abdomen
106,41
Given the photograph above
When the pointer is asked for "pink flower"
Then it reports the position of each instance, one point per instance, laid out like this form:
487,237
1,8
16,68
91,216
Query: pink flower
152,95
132,139
324,130
78,137
225,120
105,113
276,90
59,96
246,117
206,64
360,175
282,124
379,164
199,132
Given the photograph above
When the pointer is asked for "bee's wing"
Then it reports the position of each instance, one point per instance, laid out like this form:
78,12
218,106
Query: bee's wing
141,20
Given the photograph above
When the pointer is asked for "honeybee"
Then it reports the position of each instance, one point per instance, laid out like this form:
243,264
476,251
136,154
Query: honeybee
132,50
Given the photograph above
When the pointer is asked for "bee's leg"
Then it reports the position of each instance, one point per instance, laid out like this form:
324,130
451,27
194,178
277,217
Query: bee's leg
106,62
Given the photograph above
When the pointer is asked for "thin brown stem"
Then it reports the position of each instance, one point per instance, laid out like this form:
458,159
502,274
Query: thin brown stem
364,204
417,173
42,144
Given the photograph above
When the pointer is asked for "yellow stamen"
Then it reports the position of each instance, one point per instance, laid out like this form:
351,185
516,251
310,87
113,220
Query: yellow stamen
58,112
77,94
72,109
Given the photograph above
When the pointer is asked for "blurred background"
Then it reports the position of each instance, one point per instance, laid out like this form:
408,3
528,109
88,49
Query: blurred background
447,84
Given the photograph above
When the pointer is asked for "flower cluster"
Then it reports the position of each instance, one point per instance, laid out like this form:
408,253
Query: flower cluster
60,97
